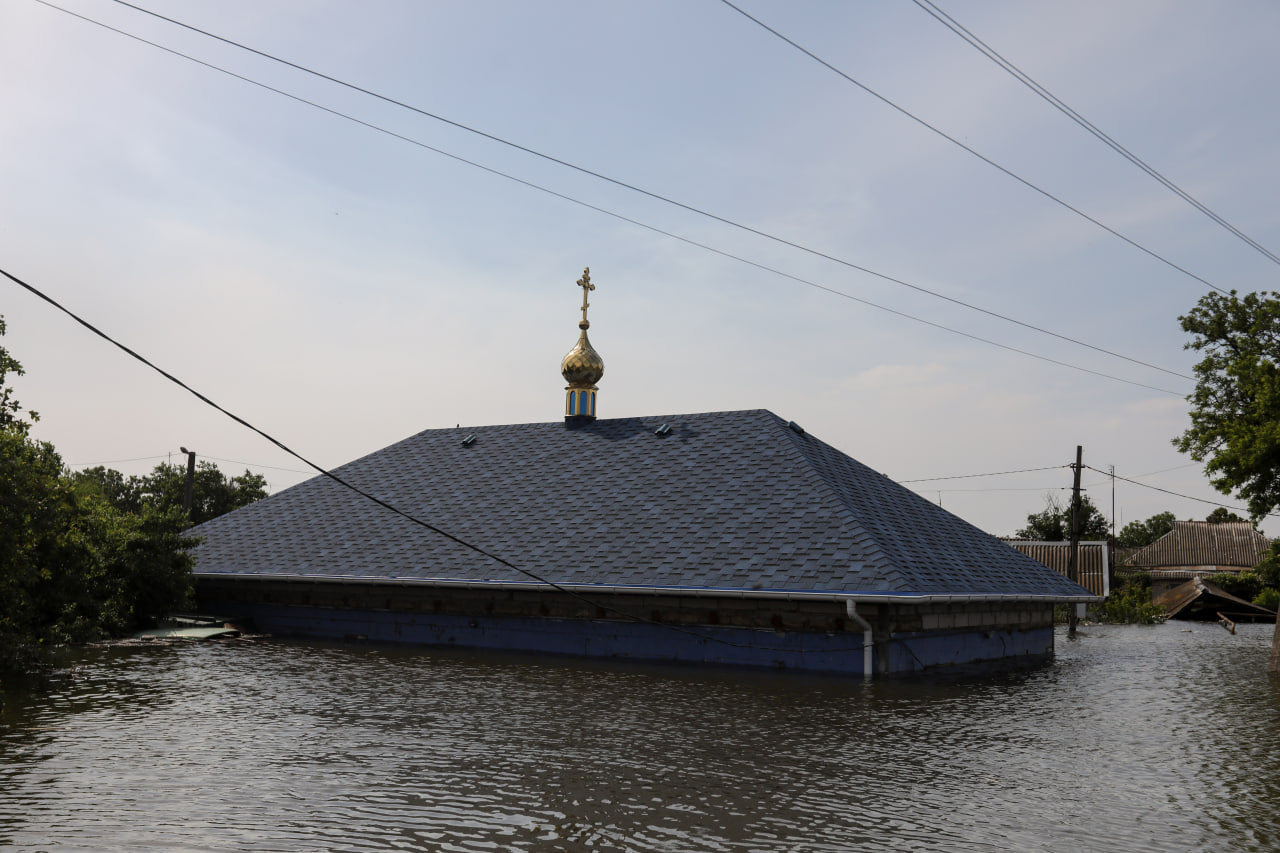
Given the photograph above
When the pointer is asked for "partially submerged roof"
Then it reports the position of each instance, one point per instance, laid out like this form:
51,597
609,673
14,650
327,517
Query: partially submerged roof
1205,544
1197,599
725,500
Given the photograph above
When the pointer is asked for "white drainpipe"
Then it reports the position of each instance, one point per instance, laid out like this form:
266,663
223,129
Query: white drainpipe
851,607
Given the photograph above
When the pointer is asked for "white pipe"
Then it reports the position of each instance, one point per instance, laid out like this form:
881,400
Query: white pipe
851,607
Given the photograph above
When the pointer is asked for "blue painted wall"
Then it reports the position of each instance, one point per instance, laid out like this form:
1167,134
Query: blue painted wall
815,652
910,652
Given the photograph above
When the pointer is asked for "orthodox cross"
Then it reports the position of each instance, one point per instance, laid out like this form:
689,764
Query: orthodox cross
586,285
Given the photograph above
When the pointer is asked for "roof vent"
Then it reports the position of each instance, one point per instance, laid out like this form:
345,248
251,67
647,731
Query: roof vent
662,430
795,427
468,441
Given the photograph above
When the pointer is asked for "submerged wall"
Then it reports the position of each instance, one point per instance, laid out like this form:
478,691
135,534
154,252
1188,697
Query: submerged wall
809,634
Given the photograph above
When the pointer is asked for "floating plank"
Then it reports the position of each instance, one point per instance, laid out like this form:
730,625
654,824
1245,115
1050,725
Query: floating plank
205,633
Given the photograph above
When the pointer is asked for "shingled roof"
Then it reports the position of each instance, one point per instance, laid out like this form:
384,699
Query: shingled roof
725,500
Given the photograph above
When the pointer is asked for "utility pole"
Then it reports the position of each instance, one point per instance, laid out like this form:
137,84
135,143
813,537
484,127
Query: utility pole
1273,665
1113,502
189,491
1073,567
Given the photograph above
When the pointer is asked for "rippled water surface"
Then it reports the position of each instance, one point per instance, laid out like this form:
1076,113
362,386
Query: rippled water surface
1135,738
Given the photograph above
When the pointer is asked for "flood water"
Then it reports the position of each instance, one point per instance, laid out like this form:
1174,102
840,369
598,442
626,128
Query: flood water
1136,738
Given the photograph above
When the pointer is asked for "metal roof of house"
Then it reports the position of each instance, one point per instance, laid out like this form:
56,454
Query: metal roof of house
1092,571
1204,544
725,500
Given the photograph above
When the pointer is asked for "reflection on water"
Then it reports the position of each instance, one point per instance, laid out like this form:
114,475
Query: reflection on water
1135,738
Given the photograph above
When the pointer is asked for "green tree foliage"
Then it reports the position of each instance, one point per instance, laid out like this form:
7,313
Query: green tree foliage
1268,598
73,567
213,493
10,410
1244,585
1221,515
1269,568
31,520
1268,573
1137,534
123,494
1053,523
1235,408
1129,603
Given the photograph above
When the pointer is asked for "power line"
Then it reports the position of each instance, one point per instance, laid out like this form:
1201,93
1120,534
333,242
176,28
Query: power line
960,144
115,461
1179,495
323,471
1044,93
254,464
583,170
992,474
202,456
657,230
999,489
389,507
1167,470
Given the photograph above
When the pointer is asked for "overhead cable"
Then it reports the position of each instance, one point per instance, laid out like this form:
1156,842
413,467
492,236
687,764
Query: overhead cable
960,144
117,461
992,474
1044,489
1021,76
1167,470
583,170
412,519
655,229
1177,494
254,464
244,423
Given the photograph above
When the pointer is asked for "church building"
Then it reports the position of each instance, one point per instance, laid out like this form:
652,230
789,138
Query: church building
725,538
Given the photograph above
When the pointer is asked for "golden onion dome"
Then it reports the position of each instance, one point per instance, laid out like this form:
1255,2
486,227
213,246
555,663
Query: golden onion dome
582,366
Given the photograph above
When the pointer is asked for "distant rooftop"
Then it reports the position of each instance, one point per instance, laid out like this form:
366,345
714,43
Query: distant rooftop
1229,544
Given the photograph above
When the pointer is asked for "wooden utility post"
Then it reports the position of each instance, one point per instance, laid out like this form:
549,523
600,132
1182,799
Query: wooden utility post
189,491
1273,666
1073,566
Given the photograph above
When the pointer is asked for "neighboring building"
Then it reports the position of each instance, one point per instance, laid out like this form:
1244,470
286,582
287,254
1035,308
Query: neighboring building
1093,567
1197,549
1121,555
724,537
1200,601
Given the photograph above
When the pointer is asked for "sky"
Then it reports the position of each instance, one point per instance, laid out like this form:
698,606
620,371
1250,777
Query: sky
347,272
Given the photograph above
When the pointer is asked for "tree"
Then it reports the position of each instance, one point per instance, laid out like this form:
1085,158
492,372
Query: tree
123,494
1269,568
213,493
31,523
1053,523
1221,514
72,566
1137,534
10,409
1235,408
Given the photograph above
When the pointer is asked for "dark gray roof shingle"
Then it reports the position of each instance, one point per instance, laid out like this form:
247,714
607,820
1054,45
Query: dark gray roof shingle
732,500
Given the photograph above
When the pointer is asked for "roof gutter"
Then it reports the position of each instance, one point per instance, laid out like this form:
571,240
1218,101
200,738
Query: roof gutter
707,592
